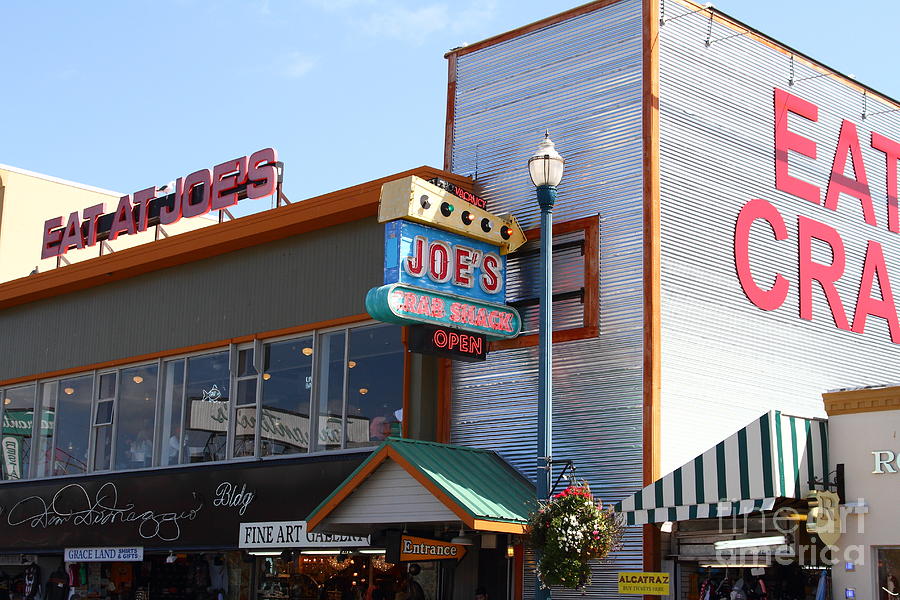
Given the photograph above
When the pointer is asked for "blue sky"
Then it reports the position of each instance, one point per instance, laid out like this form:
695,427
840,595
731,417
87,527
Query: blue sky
123,95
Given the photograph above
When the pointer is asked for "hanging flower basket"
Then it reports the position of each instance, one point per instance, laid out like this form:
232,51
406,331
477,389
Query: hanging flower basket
569,531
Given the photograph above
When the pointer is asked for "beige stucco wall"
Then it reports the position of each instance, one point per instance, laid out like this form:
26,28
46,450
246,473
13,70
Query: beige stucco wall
28,199
852,439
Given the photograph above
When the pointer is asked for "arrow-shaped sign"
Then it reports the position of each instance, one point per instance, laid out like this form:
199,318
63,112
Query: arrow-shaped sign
415,199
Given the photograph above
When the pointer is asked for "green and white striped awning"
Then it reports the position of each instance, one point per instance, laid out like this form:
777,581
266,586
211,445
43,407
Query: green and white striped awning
774,457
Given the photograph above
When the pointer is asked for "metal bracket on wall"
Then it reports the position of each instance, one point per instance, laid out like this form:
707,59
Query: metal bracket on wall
709,41
792,80
827,483
569,464
662,12
865,112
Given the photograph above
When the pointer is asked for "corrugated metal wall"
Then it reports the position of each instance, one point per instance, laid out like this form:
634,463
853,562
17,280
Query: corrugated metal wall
582,80
262,288
724,361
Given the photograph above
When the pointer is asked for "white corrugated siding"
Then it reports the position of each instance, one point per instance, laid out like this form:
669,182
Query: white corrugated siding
723,359
390,495
581,79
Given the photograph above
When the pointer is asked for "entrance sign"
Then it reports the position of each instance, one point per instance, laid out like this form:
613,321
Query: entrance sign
407,305
436,260
108,554
447,343
416,548
294,534
650,584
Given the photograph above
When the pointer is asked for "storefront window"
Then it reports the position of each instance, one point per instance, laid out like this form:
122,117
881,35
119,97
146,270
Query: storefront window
137,405
206,415
330,393
103,419
375,390
171,400
18,422
888,573
287,385
245,402
73,423
335,577
342,388
43,456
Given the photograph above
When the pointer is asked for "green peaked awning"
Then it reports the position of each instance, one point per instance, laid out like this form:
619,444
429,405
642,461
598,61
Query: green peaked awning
776,456
468,485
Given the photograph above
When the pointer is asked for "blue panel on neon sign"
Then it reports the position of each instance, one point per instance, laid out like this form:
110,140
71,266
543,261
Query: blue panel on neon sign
441,261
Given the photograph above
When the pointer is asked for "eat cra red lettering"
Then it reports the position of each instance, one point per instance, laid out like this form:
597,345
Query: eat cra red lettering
810,232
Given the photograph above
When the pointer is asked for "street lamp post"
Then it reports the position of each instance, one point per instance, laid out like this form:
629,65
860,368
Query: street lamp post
546,170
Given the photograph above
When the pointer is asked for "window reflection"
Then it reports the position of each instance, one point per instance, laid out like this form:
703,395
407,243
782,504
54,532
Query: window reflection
287,384
331,391
206,426
349,380
43,456
137,404
18,422
73,420
171,398
103,418
245,400
375,386
888,573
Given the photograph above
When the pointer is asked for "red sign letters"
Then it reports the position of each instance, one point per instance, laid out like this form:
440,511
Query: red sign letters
196,194
810,232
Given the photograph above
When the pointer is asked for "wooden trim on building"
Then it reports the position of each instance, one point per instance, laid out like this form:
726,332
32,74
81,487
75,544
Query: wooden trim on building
652,354
499,526
451,111
861,401
651,362
526,29
346,489
334,208
519,572
189,349
389,453
591,320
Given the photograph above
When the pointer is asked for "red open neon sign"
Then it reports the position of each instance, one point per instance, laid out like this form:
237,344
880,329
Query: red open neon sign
447,343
